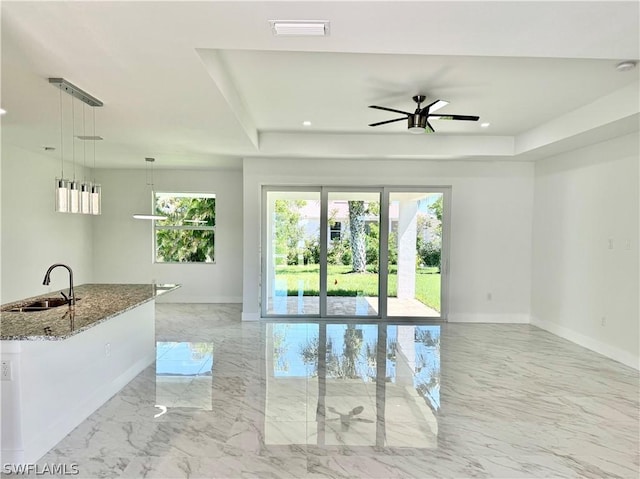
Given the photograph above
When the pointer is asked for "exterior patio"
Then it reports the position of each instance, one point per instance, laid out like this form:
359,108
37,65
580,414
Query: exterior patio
351,306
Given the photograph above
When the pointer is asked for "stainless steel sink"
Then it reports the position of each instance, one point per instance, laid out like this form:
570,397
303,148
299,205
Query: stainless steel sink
40,305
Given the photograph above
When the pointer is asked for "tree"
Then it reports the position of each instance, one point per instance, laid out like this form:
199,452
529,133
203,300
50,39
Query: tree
289,231
357,234
436,209
183,245
352,347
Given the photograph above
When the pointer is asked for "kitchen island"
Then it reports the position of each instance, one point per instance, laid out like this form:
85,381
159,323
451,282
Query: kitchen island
60,365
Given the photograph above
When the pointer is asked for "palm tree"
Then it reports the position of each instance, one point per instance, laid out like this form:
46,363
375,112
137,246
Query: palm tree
358,236
352,346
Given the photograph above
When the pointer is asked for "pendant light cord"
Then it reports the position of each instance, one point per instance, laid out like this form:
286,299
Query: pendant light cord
73,136
94,143
84,147
61,139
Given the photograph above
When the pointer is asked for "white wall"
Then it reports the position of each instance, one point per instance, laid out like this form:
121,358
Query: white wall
123,247
490,224
584,200
34,236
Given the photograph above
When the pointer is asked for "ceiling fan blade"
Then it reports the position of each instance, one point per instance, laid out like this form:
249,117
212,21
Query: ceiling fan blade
434,106
388,121
390,109
455,117
356,410
429,127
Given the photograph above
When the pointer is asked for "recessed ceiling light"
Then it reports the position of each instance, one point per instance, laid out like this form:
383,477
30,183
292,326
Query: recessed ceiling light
2,111
625,66
306,123
485,125
317,28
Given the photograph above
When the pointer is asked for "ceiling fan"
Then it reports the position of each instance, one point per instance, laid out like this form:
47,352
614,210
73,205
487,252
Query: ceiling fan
418,121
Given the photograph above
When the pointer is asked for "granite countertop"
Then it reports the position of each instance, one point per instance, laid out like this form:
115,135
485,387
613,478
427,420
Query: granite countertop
96,303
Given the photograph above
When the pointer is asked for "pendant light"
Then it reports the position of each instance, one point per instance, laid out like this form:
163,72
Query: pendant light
62,185
96,190
74,193
85,187
152,216
70,195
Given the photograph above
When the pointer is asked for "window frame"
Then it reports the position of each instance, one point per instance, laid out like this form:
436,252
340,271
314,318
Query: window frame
156,227
335,231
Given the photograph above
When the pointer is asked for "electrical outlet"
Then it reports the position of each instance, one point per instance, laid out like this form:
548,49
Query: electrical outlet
107,349
5,371
603,321
610,241
489,296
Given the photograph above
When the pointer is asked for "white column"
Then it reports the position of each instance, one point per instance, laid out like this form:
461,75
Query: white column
406,356
407,226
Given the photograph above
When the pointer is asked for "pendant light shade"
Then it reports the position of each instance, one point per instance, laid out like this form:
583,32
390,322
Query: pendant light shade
149,216
96,199
74,197
142,216
85,198
62,195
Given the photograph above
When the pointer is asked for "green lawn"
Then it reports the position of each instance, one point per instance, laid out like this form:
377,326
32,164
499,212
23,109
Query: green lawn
342,283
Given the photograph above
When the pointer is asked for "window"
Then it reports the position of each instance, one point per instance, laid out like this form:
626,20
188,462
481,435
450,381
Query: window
336,228
187,235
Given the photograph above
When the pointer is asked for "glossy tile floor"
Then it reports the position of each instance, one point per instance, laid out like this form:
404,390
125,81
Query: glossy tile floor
275,400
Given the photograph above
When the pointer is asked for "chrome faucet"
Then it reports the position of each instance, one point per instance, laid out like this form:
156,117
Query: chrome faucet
47,279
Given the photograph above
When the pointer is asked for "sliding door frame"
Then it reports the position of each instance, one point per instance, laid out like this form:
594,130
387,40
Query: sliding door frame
444,251
383,253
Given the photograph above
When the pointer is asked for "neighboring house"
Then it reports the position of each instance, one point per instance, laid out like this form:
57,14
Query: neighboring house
339,220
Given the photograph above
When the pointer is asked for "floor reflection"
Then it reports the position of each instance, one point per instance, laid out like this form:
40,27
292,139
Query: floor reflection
184,374
352,384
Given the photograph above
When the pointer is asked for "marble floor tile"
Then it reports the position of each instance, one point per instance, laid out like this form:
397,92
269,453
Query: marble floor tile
227,399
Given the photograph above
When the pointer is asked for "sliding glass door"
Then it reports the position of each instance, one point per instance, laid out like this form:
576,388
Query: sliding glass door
353,245
291,272
354,252
415,254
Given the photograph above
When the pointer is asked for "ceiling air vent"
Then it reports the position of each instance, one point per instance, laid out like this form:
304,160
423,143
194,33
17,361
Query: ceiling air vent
313,28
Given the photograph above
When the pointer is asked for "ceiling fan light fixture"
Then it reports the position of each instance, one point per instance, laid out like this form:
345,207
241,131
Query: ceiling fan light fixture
418,121
312,28
417,124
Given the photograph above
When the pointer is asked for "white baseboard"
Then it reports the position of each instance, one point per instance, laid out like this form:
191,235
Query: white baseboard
607,350
176,298
488,318
250,316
